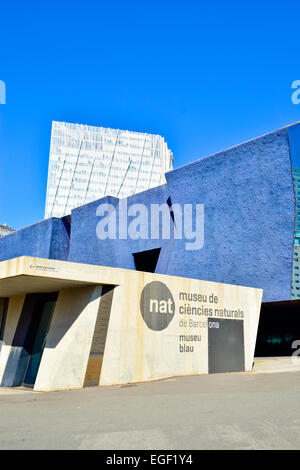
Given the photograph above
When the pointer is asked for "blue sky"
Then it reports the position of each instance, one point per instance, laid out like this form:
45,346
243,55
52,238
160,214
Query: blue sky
205,75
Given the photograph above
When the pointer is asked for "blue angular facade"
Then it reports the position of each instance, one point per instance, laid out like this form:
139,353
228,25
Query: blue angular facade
249,216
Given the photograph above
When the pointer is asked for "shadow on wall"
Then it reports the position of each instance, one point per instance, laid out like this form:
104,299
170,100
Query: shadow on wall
69,307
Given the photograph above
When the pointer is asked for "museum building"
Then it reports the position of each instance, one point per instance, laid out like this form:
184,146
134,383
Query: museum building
73,301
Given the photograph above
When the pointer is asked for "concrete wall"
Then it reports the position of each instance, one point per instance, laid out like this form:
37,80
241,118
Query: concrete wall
135,352
152,326
67,349
47,239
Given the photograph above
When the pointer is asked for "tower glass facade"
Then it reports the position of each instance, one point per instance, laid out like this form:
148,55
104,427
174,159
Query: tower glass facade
295,294
88,162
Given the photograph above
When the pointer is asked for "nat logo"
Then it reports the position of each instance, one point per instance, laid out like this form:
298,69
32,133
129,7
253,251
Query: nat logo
157,306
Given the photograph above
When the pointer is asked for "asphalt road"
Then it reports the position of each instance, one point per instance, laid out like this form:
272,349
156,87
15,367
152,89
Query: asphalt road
221,411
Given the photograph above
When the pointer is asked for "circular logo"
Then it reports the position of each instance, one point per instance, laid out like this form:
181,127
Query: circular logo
157,305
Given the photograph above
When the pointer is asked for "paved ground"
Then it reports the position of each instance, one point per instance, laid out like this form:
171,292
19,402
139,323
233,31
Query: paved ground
270,365
221,411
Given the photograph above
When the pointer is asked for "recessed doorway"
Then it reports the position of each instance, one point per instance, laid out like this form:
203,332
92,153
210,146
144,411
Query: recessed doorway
37,335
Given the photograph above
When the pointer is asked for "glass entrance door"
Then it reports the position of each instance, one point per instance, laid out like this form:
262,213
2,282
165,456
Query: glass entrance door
35,355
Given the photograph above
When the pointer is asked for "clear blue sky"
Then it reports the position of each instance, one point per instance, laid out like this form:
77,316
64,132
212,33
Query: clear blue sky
205,75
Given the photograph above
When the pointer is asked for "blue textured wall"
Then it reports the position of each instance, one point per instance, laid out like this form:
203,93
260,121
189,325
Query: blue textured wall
249,204
249,216
60,239
47,239
85,247
249,220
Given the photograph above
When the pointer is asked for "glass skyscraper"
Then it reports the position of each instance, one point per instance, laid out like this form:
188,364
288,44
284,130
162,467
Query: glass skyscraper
295,294
89,162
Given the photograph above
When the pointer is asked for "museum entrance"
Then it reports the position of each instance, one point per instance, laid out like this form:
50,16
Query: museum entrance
37,335
29,340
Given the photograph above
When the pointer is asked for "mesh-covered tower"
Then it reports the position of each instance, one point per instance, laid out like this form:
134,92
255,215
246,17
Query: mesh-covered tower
5,230
88,162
